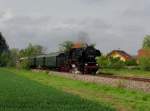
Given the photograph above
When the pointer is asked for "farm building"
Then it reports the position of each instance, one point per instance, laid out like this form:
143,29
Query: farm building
144,53
120,54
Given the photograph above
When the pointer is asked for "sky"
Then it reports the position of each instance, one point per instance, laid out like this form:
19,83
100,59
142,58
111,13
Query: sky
110,24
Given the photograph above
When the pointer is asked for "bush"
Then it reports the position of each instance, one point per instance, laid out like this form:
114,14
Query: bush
4,59
103,61
24,64
14,57
131,62
116,63
109,62
144,63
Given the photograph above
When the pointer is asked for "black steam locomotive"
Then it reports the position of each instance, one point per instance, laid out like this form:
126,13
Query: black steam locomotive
77,60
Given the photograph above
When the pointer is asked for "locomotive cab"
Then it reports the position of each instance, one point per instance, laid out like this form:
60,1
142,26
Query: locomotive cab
76,53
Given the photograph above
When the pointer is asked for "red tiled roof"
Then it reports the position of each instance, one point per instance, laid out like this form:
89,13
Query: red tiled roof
144,53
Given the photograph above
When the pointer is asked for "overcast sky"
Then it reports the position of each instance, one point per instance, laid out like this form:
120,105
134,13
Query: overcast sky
111,24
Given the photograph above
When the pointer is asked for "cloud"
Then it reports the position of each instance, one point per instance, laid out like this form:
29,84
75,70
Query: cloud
50,31
91,1
5,15
108,23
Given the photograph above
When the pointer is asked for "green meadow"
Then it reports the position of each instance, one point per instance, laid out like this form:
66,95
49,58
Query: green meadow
22,90
19,93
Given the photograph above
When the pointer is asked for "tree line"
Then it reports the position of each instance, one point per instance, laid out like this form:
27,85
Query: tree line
142,62
8,57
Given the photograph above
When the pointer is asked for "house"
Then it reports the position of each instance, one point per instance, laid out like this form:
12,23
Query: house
144,53
120,54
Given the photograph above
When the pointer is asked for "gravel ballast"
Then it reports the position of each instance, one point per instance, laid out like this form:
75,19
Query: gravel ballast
123,83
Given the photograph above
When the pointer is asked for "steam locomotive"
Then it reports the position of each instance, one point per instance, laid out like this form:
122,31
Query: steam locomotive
77,60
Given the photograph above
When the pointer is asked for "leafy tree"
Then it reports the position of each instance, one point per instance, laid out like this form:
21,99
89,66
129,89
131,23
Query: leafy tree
144,60
66,46
4,59
32,50
24,64
146,42
3,44
14,57
4,51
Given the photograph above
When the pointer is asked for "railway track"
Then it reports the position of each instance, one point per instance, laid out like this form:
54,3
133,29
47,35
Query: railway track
109,76
125,77
142,84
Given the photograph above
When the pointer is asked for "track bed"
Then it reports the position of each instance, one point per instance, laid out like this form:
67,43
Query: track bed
141,84
125,77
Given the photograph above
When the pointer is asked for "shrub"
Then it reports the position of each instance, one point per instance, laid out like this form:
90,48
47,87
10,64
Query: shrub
103,61
109,62
144,63
4,59
131,62
24,64
116,63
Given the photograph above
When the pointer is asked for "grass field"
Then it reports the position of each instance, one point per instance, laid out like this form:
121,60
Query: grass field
127,72
27,90
19,93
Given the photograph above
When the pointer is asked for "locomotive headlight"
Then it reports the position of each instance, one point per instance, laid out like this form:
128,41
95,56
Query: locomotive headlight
86,64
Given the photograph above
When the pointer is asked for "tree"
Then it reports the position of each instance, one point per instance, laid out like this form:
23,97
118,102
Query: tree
144,59
146,42
4,59
3,44
32,50
4,51
14,57
66,46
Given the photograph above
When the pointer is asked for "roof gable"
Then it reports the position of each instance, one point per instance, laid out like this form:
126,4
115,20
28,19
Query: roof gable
121,53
